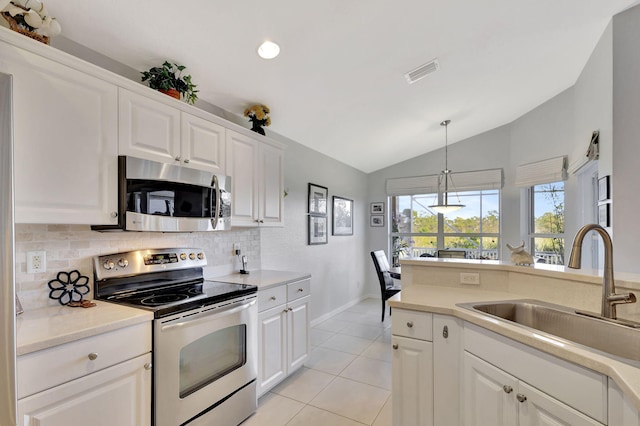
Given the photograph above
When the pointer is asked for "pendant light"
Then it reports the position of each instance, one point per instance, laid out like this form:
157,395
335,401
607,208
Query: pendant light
445,176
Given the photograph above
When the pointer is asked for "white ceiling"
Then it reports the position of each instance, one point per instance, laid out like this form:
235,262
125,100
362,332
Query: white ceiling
338,85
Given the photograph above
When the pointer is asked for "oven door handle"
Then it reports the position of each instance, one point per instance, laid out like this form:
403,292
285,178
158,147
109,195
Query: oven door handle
208,316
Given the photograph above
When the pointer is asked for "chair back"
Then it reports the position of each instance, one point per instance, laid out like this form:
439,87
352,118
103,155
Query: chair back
382,268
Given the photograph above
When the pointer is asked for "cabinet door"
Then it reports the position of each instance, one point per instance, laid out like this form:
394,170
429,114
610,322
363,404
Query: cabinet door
148,128
242,165
539,409
447,363
298,333
489,394
203,144
272,341
65,141
622,411
272,186
412,382
119,395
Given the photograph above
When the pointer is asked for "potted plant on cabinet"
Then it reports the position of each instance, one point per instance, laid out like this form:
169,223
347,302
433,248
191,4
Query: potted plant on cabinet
168,79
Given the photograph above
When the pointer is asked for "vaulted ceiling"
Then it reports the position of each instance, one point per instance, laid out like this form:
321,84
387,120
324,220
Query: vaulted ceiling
338,85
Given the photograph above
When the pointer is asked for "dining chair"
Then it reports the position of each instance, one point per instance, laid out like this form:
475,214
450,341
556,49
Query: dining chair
387,286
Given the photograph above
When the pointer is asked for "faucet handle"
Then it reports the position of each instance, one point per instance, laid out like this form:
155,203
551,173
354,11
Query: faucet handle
616,299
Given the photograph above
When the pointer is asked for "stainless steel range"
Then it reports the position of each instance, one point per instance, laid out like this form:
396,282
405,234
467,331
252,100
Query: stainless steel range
204,333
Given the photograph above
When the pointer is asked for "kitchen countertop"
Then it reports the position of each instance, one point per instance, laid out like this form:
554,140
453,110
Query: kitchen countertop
263,278
54,325
443,300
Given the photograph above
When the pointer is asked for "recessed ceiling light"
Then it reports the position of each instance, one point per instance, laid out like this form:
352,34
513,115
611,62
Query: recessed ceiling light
268,50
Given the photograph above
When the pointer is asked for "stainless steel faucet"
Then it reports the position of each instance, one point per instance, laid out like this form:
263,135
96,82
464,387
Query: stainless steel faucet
609,297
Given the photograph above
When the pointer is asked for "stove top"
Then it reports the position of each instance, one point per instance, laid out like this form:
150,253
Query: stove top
165,281
182,297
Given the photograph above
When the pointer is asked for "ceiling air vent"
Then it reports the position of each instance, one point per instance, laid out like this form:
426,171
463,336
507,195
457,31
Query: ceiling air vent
422,71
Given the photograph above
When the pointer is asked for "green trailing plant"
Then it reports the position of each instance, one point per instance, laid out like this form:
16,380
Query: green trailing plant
169,76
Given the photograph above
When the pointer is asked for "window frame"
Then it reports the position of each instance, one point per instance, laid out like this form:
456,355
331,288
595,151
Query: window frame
440,234
531,220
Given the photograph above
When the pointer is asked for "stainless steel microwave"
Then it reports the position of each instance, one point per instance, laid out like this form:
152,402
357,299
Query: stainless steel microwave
159,197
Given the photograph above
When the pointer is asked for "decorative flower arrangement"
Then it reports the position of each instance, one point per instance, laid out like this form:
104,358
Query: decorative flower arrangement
31,16
169,77
258,116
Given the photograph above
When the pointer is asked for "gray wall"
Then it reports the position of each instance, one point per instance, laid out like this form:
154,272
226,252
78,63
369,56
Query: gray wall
338,268
626,130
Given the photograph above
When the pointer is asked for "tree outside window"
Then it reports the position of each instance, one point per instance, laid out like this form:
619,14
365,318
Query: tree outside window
417,230
547,222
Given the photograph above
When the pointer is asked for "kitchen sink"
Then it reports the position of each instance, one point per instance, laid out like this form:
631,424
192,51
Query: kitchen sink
615,337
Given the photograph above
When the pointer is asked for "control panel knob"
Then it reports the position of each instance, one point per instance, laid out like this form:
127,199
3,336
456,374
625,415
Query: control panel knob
123,263
183,256
201,255
192,256
108,265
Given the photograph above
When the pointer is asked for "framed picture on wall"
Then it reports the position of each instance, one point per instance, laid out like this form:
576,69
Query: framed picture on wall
317,230
317,199
342,223
603,215
376,220
603,188
377,208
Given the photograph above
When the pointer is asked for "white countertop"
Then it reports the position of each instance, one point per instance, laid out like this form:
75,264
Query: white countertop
443,300
51,326
263,278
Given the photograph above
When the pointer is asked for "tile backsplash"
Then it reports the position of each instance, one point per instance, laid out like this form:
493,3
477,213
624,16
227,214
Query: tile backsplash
69,247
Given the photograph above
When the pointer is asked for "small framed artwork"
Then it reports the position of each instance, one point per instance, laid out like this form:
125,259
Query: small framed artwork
603,188
603,215
317,230
342,216
376,220
377,208
317,199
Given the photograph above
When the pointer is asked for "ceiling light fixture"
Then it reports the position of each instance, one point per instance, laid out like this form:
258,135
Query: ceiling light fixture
268,50
445,176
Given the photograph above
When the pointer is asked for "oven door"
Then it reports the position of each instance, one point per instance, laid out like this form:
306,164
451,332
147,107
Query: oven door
202,357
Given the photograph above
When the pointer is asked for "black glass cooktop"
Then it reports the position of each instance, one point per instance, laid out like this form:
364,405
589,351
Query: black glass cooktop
182,297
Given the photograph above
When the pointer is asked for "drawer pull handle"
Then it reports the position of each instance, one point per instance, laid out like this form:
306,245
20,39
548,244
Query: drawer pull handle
148,366
290,309
410,324
272,298
300,290
521,398
395,346
507,389
445,332
92,356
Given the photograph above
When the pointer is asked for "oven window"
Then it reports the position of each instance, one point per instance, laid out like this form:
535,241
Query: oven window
212,357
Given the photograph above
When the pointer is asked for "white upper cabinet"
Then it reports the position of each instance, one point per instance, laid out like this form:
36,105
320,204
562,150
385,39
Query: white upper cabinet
203,144
257,178
153,130
65,141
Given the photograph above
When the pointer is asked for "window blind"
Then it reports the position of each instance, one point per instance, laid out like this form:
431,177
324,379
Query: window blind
462,181
545,171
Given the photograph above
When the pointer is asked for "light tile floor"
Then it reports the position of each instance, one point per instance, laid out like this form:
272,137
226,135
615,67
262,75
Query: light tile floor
346,380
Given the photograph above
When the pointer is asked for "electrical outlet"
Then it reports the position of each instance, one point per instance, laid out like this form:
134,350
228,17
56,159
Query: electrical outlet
236,249
472,278
36,262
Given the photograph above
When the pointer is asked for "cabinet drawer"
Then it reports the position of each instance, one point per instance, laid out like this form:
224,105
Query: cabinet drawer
414,324
50,367
298,289
271,297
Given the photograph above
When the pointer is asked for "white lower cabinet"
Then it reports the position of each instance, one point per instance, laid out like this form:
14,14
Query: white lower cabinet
412,368
118,395
102,380
283,337
494,397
